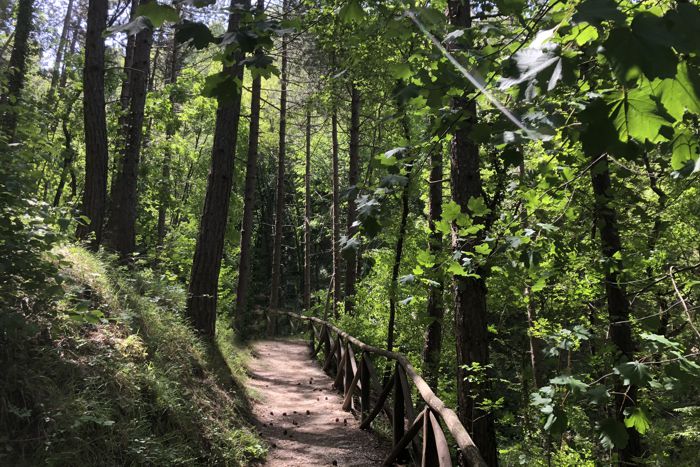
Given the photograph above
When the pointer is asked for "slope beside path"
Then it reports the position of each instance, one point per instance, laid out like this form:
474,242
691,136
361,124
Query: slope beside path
300,414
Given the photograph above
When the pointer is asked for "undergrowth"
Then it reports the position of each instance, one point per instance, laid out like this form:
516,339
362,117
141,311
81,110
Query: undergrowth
109,374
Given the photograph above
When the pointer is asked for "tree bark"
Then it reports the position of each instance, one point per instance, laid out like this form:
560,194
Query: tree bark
396,267
68,151
96,156
60,52
242,289
530,314
435,309
307,215
204,279
618,305
471,314
279,197
17,68
335,211
171,126
124,100
398,251
353,178
121,226
71,51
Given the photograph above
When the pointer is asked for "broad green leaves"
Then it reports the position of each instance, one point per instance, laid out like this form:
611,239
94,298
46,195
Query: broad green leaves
148,16
638,420
597,11
351,12
633,373
157,13
679,93
636,115
685,150
198,33
613,434
575,385
222,86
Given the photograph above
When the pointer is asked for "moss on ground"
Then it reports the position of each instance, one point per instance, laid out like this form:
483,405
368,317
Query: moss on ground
109,374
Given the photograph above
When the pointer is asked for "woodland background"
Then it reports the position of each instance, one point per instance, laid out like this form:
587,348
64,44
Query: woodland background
504,191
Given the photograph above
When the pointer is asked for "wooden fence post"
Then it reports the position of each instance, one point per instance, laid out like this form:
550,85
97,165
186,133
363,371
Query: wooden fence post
398,428
311,336
364,386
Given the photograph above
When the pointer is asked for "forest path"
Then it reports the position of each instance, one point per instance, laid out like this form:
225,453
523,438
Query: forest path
300,414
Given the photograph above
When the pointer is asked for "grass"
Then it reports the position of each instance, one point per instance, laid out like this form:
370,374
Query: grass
110,374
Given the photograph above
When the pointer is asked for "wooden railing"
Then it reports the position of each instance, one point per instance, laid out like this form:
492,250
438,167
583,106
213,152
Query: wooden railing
358,378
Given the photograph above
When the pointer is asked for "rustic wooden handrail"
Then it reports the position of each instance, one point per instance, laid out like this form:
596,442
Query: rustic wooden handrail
352,377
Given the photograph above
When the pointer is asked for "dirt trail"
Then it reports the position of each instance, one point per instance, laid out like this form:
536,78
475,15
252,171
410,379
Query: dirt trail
300,414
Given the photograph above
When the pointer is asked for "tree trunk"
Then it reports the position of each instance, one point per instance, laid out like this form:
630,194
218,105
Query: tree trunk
204,279
124,100
17,68
335,211
534,343
618,305
96,156
121,226
396,267
353,178
242,289
60,52
398,252
471,315
435,309
71,51
68,151
164,195
307,215
279,197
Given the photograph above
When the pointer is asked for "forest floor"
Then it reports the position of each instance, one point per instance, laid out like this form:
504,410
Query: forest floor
300,413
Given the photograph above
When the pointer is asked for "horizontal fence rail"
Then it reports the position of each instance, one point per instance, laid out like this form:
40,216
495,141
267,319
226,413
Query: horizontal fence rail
358,379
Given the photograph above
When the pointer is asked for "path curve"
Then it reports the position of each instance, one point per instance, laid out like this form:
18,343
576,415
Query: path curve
300,414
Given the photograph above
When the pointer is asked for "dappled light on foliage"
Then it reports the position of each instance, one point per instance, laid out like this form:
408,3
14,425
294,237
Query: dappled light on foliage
504,192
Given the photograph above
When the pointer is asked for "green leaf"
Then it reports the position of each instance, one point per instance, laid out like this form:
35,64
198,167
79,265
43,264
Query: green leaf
685,149
599,134
131,28
628,53
198,33
443,227
658,339
389,157
483,249
636,115
557,422
598,394
539,285
597,11
351,12
451,211
511,6
456,269
633,373
426,259
678,94
158,14
221,86
512,156
575,385
613,434
638,420
400,70
477,206
683,21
